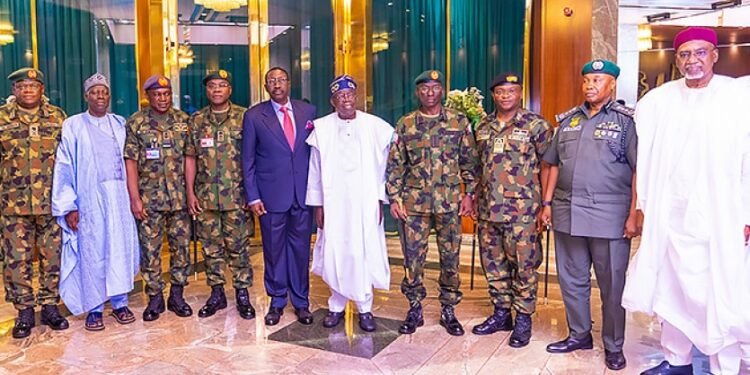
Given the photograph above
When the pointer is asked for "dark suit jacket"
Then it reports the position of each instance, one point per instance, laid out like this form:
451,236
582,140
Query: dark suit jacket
272,172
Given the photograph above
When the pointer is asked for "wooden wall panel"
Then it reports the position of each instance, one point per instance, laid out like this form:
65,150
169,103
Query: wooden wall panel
561,45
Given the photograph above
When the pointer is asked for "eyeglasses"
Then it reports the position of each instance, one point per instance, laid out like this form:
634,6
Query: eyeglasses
345,95
433,89
273,81
502,92
213,86
699,54
29,86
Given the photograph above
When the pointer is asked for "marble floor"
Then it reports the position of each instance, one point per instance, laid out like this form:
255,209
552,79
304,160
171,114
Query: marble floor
226,344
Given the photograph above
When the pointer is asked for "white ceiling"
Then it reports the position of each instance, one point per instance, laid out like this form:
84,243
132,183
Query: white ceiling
683,12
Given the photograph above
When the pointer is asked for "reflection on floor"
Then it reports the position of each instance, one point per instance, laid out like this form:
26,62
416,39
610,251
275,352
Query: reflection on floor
226,344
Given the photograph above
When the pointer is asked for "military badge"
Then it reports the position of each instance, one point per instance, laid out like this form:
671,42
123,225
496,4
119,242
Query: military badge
597,65
512,79
180,127
223,74
574,122
434,74
163,82
31,74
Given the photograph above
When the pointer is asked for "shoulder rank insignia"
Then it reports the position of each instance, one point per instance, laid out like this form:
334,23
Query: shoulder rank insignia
562,116
621,108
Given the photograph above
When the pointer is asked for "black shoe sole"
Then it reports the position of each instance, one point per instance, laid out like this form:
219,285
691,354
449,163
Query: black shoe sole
17,336
179,313
584,347
409,332
616,368
202,313
63,326
521,344
503,329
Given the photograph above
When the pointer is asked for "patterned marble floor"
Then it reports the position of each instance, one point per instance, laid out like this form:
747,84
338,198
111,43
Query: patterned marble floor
226,344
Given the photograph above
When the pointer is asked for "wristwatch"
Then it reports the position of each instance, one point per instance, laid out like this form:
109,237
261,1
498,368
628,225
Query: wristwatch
546,203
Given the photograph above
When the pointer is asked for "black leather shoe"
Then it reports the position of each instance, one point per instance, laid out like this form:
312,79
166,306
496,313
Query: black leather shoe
24,323
154,308
51,317
216,302
521,332
500,320
571,344
413,320
304,315
665,368
274,315
332,319
449,322
244,307
367,322
614,360
176,303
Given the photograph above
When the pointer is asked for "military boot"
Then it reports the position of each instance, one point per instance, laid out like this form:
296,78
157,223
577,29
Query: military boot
216,302
500,320
244,306
154,308
413,319
51,317
177,304
449,321
522,332
24,323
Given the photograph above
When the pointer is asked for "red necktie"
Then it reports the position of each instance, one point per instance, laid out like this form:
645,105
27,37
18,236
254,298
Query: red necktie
288,127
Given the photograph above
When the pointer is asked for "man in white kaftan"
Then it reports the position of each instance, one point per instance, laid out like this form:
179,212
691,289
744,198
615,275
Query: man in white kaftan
693,187
100,253
346,185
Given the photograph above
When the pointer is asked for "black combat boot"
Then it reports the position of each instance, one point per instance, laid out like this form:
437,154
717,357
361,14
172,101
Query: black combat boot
177,304
216,302
244,307
449,321
24,323
522,332
154,308
413,319
500,320
51,317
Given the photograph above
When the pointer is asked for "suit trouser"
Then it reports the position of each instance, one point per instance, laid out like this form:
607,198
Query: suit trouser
678,352
286,255
574,256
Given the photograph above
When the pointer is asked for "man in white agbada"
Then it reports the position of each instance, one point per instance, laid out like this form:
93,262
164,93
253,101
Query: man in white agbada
693,187
346,187
100,252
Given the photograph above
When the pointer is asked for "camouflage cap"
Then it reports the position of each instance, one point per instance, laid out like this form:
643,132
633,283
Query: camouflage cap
219,74
157,81
26,73
509,78
429,76
601,66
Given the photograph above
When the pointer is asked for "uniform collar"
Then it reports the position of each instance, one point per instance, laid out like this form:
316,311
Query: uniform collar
605,109
44,109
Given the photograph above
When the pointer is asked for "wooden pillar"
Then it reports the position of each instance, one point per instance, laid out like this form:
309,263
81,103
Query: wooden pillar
257,29
149,41
353,43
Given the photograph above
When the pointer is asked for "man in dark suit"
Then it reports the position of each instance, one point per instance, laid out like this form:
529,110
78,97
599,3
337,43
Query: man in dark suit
275,160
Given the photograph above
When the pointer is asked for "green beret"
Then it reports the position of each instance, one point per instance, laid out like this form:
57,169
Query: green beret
601,66
26,73
219,74
429,76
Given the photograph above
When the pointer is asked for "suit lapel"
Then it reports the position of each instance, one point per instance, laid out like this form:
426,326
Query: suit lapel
272,122
300,124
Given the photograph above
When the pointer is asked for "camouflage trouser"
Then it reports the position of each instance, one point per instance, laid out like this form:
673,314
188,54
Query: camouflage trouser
414,234
226,235
510,257
20,235
151,236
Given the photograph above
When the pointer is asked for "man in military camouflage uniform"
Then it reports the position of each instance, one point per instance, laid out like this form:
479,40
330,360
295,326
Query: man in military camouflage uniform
155,145
216,194
30,130
511,142
433,153
590,189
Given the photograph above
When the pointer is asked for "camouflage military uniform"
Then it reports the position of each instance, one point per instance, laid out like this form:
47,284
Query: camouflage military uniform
508,200
158,143
225,226
427,163
28,143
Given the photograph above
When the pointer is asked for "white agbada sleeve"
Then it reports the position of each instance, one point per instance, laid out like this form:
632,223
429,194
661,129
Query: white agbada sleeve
314,195
64,197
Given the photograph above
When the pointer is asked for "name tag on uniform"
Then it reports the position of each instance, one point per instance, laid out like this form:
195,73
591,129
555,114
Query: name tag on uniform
498,146
483,135
207,142
520,135
152,153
